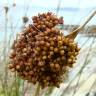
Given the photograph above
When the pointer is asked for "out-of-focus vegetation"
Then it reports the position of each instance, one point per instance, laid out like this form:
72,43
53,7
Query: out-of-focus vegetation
11,85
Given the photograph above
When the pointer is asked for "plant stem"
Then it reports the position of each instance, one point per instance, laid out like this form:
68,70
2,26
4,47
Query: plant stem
37,90
50,90
5,83
73,34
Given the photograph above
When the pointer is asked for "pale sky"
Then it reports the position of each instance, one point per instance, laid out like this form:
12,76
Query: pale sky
53,3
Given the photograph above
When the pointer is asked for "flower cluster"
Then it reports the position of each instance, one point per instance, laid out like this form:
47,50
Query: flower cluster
42,53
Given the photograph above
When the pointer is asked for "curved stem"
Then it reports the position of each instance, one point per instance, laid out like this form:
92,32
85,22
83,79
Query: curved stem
88,19
73,34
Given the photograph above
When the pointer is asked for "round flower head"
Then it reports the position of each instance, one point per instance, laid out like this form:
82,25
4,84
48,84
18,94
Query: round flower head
41,53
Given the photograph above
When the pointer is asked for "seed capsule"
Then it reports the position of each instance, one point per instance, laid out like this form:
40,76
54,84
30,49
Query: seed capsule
69,60
57,66
10,66
38,49
51,53
40,63
51,65
42,42
44,57
47,44
51,48
62,52
56,50
17,67
60,43
52,43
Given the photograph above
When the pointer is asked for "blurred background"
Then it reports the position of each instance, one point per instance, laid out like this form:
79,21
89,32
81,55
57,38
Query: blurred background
16,14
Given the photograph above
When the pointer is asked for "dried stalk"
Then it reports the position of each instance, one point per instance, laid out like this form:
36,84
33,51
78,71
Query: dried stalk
73,34
5,83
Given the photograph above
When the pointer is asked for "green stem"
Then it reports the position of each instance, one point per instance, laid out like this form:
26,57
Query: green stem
37,90
49,91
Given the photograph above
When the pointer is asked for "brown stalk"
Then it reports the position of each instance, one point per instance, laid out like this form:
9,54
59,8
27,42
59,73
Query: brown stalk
74,33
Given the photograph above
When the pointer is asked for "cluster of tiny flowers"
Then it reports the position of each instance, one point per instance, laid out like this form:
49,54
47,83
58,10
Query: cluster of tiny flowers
42,53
